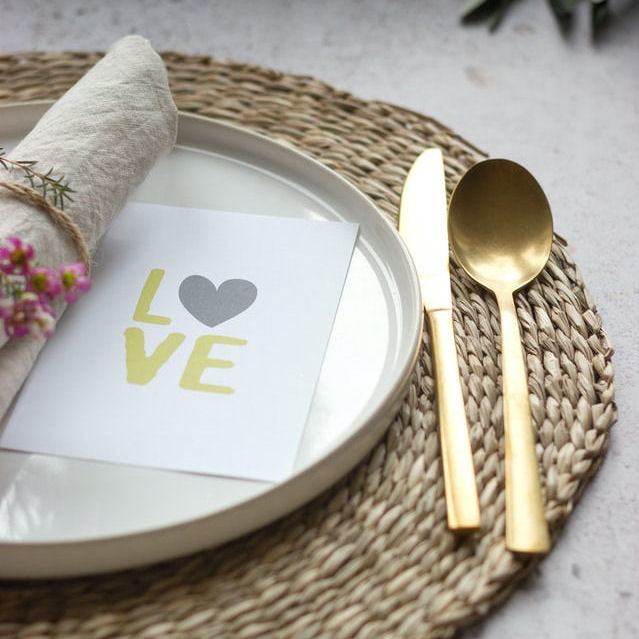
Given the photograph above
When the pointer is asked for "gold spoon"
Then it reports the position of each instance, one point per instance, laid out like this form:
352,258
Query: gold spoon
500,230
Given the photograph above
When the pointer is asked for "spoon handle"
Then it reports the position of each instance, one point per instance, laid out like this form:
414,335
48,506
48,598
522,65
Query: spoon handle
526,528
462,503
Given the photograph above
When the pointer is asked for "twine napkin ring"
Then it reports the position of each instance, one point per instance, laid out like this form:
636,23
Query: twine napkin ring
61,219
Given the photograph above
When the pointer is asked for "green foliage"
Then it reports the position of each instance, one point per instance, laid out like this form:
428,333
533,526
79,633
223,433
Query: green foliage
493,11
54,188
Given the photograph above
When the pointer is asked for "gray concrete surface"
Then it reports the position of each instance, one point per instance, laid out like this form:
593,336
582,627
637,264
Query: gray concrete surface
565,107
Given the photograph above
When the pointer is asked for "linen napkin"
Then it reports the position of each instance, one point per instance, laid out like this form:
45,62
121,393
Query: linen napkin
103,135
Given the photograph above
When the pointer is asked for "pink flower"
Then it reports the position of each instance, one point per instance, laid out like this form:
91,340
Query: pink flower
15,259
74,280
26,289
27,315
45,282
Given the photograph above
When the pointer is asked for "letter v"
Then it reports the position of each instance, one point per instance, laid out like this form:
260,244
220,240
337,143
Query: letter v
141,369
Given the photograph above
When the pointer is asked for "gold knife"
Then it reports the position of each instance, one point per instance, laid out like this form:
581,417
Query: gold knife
423,225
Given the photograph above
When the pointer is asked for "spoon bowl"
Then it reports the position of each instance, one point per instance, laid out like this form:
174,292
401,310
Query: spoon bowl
500,230
500,225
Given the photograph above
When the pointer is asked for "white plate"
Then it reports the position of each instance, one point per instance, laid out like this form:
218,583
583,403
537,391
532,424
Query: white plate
61,517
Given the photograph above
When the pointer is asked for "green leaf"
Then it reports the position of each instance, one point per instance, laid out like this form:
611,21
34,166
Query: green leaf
565,7
564,11
471,7
480,9
598,13
497,16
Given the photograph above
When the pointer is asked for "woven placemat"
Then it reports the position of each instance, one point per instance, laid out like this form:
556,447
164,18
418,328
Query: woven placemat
372,556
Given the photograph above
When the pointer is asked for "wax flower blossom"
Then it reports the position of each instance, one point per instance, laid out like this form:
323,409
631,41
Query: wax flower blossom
44,282
74,280
28,315
27,289
15,258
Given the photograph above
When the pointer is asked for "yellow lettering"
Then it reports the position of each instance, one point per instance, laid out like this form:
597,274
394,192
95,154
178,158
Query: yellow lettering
149,290
141,369
199,361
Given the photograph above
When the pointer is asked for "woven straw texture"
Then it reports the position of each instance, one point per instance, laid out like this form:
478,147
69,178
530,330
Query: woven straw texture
371,557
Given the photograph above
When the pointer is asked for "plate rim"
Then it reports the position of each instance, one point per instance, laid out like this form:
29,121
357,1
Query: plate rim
369,428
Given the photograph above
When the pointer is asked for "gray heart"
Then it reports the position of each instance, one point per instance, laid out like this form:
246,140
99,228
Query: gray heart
211,305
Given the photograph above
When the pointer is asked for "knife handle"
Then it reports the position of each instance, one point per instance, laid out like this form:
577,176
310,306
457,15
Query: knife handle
462,503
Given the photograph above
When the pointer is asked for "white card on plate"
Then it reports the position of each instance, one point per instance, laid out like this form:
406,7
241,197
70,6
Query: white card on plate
197,349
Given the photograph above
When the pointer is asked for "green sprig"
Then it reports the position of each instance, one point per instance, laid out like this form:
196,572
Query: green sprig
52,187
493,11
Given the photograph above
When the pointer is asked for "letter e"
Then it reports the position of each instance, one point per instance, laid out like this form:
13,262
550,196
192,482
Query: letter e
199,361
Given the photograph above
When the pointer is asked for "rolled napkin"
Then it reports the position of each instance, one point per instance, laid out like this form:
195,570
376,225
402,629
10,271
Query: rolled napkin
103,135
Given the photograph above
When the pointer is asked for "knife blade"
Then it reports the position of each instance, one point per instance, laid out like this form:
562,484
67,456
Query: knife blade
423,225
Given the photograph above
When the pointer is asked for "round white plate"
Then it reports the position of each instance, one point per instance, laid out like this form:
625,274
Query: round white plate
61,517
